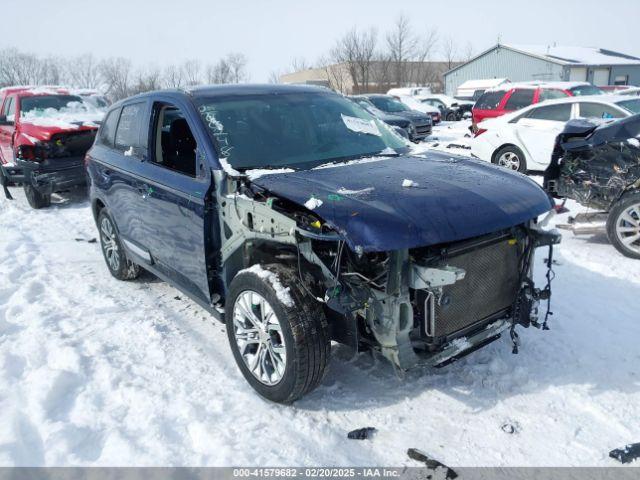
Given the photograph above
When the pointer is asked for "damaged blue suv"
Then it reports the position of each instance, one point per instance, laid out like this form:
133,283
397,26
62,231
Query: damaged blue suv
295,217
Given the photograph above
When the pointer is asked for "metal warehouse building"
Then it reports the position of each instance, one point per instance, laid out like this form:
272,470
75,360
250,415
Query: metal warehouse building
547,63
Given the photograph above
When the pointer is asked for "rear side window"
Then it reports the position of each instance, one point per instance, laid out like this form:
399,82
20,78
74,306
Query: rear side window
599,110
489,100
520,98
128,131
108,128
551,94
557,113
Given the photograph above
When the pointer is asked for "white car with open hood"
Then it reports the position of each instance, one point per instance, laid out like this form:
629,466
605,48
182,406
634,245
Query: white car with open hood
524,140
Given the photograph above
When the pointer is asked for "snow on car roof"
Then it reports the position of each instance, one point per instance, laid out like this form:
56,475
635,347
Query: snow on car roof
483,83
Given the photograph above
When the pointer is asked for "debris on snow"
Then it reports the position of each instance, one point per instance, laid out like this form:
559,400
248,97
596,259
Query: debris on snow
409,183
626,454
361,433
313,203
420,456
281,292
511,427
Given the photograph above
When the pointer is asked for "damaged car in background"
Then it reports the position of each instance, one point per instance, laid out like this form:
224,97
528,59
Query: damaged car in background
297,218
597,164
44,135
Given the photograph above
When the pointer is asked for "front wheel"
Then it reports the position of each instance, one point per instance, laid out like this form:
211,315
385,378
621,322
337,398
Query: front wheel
511,157
623,226
36,199
278,334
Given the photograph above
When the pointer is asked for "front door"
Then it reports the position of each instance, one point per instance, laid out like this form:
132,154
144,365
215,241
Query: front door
7,130
174,190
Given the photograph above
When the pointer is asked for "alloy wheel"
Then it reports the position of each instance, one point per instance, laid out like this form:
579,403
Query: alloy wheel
259,337
509,160
109,244
628,227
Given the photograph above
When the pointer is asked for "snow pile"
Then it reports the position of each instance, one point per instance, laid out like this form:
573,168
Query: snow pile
281,292
409,183
98,372
71,117
313,203
256,173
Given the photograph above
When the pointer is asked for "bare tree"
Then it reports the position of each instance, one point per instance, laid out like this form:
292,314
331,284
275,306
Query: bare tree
425,49
450,51
238,67
147,79
468,52
115,72
401,45
84,71
191,71
219,73
172,77
355,51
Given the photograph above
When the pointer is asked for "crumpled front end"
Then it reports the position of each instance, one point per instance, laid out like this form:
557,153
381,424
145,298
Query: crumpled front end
435,304
56,164
596,164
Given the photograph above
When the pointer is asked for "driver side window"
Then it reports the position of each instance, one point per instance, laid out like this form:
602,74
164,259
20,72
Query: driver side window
174,144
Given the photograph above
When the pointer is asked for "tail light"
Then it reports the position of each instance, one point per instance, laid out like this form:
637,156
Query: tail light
479,131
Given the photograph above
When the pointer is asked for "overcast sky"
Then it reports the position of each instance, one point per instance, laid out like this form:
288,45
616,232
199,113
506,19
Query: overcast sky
271,33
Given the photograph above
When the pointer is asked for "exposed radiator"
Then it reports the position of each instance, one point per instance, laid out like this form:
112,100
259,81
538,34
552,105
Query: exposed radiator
489,287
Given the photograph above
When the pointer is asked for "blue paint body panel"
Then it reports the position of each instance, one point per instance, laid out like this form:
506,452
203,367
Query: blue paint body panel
455,199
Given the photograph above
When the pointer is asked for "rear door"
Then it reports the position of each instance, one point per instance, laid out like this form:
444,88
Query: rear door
173,190
537,132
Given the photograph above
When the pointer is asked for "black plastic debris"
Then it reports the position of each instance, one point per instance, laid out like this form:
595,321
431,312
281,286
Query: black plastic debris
91,240
361,433
420,456
626,454
510,427
177,297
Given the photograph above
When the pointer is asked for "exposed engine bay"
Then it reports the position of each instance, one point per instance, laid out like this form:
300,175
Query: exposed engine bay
426,305
595,163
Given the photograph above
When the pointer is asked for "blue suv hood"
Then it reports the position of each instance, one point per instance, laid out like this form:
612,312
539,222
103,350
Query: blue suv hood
452,199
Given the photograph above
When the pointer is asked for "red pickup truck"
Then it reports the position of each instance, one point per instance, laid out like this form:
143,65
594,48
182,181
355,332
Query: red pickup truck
44,135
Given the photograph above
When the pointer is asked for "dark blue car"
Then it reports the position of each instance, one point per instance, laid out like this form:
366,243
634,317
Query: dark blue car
297,218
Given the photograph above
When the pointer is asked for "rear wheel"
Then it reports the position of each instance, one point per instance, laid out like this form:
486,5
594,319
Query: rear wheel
511,157
36,199
278,335
114,255
623,226
451,117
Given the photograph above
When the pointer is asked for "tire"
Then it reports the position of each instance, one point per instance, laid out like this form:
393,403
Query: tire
36,199
511,157
114,255
451,117
303,333
623,225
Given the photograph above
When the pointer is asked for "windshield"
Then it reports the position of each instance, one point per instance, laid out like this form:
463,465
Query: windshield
387,104
583,90
294,130
41,103
632,105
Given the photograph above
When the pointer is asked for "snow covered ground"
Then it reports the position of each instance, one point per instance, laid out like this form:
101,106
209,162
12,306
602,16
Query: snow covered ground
99,372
